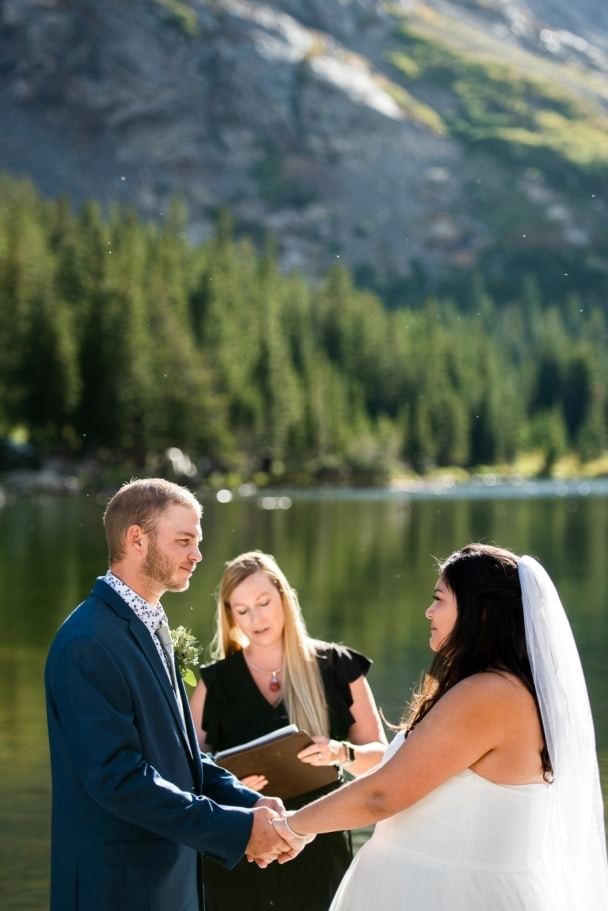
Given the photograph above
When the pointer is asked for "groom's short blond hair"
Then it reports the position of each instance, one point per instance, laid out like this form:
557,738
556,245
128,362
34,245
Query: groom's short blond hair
141,502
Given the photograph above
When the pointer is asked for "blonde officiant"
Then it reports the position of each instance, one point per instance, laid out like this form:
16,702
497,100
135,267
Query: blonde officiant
269,673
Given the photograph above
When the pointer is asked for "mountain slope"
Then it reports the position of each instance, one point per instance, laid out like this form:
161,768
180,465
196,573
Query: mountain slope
396,138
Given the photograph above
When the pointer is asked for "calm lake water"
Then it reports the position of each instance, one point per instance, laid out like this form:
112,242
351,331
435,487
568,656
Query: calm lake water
362,563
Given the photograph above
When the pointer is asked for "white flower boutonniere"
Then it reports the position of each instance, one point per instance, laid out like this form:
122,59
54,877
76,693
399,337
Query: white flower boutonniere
188,652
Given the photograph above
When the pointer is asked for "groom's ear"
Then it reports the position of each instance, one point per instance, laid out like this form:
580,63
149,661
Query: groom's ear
136,540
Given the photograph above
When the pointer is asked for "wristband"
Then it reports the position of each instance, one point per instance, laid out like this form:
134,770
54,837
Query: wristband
291,831
350,752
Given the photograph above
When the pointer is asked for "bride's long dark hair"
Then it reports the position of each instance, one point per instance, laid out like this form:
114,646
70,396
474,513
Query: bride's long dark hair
489,632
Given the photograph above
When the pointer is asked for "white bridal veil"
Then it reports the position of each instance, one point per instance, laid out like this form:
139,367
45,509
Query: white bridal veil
577,842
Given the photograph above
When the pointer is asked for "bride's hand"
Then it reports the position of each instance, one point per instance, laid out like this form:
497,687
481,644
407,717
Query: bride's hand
297,842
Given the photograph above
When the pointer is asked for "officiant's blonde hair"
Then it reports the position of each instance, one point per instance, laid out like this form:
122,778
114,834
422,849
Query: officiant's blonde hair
303,691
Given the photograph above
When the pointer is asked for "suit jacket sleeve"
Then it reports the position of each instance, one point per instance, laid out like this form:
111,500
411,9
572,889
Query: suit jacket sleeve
116,732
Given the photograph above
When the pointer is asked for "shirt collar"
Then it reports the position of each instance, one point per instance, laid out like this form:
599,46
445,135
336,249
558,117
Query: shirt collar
151,615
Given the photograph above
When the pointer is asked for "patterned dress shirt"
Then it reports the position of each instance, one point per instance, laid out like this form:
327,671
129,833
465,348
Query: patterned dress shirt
152,616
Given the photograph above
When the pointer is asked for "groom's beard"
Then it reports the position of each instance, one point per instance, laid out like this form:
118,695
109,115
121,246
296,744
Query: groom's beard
159,568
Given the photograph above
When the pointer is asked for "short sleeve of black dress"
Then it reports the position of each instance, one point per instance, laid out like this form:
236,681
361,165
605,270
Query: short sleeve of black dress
340,666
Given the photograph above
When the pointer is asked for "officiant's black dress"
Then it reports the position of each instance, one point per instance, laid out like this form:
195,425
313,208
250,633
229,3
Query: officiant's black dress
235,712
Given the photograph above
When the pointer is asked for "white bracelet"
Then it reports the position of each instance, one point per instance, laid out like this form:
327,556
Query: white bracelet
291,831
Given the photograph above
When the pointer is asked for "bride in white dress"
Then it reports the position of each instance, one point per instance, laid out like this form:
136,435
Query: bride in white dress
489,795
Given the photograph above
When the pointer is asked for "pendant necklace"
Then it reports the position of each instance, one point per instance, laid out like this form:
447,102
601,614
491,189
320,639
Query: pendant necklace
274,686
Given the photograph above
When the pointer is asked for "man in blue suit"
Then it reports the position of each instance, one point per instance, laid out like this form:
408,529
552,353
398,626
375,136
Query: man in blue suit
135,803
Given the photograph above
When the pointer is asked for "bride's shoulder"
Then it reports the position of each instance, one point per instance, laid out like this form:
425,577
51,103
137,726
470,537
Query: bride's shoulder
494,688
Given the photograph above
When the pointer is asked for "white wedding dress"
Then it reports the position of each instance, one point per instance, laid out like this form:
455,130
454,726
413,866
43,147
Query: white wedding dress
469,845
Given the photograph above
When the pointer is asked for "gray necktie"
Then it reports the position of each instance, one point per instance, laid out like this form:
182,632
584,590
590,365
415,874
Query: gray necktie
164,635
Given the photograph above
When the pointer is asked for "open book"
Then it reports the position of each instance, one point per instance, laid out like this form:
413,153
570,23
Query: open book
275,756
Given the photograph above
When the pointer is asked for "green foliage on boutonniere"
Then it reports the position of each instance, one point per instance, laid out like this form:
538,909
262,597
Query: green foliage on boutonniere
188,652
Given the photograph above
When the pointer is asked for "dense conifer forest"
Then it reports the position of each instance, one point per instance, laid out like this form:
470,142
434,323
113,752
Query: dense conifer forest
120,339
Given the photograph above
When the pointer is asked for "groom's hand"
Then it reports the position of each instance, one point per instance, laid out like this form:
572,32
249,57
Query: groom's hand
265,843
273,803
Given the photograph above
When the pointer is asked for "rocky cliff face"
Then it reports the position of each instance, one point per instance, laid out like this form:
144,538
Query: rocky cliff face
283,112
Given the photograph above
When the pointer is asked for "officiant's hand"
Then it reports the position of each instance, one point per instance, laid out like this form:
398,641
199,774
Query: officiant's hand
255,782
322,751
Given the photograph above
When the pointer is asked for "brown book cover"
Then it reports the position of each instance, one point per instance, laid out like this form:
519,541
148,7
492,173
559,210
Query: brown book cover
278,761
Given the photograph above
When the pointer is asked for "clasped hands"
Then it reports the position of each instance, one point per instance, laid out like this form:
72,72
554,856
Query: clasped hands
271,837
295,841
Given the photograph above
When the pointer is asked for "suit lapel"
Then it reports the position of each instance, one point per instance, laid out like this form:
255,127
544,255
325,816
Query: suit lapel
141,635
192,741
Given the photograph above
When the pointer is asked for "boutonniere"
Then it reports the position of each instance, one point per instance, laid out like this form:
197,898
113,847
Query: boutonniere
188,652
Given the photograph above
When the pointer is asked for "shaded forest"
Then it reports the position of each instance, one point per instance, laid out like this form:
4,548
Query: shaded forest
120,339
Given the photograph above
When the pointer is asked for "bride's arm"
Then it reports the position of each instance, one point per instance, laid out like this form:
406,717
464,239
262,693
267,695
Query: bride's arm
471,720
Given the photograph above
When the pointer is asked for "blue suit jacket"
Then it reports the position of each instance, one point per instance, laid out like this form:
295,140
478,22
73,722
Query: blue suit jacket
133,806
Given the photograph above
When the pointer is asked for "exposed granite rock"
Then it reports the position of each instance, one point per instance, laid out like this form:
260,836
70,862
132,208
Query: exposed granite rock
280,111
